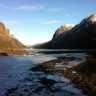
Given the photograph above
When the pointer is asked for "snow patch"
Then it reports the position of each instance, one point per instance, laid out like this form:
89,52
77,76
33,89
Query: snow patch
93,18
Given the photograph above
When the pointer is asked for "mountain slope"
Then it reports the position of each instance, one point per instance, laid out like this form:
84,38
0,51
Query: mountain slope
81,36
7,40
60,32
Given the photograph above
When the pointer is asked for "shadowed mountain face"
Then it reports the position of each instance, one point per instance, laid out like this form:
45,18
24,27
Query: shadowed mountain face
8,40
81,36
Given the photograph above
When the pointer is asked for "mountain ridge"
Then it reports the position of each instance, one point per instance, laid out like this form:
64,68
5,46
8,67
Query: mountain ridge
8,40
81,36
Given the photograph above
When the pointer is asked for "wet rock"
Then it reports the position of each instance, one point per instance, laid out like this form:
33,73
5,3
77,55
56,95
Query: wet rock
10,76
10,91
38,89
3,54
27,79
47,82
21,94
26,90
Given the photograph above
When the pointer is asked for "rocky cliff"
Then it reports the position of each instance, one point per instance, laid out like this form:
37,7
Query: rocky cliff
80,36
7,40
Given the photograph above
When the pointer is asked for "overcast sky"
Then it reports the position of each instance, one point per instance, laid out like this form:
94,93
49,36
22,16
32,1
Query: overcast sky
35,21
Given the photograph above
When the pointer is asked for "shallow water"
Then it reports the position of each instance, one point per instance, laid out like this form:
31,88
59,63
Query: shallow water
15,69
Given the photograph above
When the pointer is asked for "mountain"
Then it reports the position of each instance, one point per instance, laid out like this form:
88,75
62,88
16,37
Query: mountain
80,36
59,33
57,36
7,40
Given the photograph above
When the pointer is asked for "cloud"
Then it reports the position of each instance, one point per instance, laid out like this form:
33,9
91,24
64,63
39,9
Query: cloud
11,22
29,7
56,9
43,21
51,22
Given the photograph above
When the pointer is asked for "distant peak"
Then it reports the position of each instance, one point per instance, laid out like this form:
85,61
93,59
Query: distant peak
93,15
69,25
92,18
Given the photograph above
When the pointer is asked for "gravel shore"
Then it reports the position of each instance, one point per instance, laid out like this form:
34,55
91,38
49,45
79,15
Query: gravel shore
83,75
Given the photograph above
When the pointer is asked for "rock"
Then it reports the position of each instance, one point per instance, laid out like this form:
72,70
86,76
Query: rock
3,54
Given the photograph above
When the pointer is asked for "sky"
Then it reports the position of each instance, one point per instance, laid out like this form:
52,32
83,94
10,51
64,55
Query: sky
35,21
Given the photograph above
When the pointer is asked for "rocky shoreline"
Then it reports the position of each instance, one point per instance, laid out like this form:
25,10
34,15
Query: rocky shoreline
12,52
83,75
43,83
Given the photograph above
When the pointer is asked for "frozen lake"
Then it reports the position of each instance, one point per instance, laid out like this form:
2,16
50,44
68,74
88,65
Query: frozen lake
13,69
